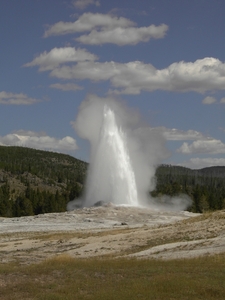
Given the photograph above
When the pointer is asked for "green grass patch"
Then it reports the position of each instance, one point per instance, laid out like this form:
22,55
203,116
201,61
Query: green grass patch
65,278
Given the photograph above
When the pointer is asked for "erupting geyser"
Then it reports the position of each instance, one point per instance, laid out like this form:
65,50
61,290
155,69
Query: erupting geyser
111,176
123,156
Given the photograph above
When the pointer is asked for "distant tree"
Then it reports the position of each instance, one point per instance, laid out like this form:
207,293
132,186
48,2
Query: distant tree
5,201
75,191
23,207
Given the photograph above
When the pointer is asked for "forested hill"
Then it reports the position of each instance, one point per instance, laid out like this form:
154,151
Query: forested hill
216,171
51,167
34,181
205,186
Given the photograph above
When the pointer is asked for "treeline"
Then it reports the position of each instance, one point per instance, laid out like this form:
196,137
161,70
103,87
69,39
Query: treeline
44,164
34,181
34,201
206,187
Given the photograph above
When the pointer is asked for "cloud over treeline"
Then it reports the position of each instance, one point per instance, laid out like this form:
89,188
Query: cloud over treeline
199,163
38,140
201,144
211,146
174,134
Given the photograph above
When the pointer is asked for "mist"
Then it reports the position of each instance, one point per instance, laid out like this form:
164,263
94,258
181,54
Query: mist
124,155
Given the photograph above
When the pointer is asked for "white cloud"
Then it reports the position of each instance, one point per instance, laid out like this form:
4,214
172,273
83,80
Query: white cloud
200,76
173,134
52,59
28,133
66,86
211,146
124,36
201,145
16,99
88,22
82,4
208,100
133,77
222,100
87,70
199,163
105,28
38,141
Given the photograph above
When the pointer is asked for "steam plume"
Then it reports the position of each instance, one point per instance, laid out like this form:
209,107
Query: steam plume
124,154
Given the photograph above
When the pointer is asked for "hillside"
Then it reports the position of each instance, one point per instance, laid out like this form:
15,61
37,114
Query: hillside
34,181
206,186
215,171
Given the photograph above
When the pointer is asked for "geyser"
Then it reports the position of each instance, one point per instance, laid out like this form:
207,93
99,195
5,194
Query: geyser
111,176
123,156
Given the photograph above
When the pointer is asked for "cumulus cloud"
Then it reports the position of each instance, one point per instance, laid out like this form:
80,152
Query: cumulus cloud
201,145
16,99
52,59
82,4
133,77
66,86
96,71
222,100
124,36
28,133
211,146
200,76
88,22
208,100
39,140
173,134
105,28
199,163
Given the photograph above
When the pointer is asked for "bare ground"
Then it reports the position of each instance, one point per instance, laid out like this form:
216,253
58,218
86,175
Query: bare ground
112,231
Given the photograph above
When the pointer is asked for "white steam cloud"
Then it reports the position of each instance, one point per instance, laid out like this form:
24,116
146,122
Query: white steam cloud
122,148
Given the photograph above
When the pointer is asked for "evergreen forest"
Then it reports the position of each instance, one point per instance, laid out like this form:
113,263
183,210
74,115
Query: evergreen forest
206,187
35,182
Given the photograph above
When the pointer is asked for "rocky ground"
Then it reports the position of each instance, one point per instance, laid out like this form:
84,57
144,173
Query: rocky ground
112,231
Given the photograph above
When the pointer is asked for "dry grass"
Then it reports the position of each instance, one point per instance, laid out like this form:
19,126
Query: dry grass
66,278
30,247
52,236
80,234
214,215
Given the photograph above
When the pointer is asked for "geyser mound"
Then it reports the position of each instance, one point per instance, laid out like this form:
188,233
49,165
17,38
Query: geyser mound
124,153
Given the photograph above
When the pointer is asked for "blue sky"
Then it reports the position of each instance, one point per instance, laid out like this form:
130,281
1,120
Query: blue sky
165,58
